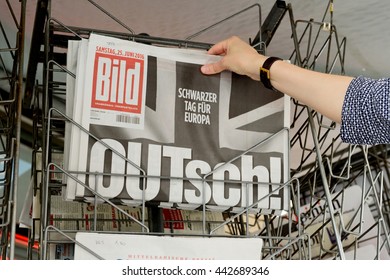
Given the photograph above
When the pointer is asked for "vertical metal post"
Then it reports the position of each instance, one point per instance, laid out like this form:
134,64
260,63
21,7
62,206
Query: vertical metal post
326,185
318,150
18,113
45,101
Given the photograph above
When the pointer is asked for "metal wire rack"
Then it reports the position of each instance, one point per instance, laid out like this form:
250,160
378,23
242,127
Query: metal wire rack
339,193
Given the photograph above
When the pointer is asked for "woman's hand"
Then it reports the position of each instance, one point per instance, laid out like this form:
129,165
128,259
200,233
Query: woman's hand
236,56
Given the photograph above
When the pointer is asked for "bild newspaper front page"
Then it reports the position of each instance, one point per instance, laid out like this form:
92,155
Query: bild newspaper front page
157,130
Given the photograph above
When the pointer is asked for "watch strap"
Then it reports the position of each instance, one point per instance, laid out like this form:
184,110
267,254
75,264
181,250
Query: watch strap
265,76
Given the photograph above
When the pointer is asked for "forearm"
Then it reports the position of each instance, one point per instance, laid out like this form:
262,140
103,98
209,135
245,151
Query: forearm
322,92
360,104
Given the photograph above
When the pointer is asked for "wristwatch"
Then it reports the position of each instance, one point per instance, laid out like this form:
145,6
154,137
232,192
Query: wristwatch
265,77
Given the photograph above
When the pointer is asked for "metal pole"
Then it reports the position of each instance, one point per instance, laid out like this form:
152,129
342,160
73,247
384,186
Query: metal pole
18,122
326,185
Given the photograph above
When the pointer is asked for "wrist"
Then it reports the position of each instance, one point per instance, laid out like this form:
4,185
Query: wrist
265,71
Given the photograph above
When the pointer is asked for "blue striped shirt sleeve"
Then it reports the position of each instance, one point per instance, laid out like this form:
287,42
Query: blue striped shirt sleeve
365,114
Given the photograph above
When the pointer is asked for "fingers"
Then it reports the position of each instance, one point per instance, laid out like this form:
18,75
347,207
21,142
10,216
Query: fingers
219,48
212,68
231,51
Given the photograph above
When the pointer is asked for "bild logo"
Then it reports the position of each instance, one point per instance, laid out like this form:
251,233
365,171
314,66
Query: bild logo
117,83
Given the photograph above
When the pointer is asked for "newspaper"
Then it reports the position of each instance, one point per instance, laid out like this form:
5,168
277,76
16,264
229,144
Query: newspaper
132,247
158,131
74,92
191,222
76,216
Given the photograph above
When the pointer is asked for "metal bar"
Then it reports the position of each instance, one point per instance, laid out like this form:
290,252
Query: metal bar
36,42
18,114
270,24
226,19
111,16
326,186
